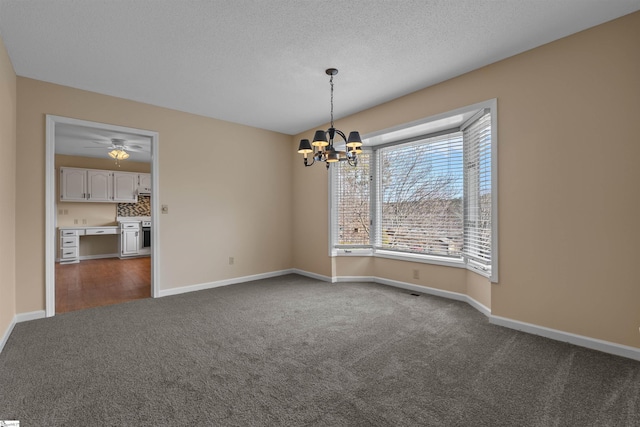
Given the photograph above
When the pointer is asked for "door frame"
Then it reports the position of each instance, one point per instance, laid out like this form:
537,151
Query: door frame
50,203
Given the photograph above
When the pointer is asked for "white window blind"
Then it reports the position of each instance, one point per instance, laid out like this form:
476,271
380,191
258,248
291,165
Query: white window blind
352,195
419,196
477,206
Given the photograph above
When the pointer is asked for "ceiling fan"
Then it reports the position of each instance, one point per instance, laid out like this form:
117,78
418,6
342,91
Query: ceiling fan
118,149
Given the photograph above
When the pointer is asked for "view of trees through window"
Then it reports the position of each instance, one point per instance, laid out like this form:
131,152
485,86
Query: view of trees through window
429,195
421,187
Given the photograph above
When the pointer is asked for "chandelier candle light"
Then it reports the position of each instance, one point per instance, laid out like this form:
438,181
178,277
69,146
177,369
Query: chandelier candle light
322,146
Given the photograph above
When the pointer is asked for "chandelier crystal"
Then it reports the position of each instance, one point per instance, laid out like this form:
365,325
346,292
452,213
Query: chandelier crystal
322,148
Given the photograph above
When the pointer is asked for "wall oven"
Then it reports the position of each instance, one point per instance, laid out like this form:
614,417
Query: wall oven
146,235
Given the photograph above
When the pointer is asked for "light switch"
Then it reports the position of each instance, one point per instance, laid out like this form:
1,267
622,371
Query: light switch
165,209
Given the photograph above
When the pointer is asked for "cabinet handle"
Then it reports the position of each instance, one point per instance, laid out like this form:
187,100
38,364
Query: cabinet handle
68,253
88,195
136,234
99,231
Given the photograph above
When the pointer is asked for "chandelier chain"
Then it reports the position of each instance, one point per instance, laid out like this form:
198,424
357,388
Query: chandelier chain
331,83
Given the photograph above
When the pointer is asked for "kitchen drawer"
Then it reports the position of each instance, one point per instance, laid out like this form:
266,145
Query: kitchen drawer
130,225
96,231
69,242
66,233
69,253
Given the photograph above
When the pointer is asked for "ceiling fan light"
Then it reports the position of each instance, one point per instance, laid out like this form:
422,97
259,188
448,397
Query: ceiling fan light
118,154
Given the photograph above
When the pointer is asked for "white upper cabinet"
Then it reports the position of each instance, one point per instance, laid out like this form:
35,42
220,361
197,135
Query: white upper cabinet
144,183
125,187
73,185
99,186
93,185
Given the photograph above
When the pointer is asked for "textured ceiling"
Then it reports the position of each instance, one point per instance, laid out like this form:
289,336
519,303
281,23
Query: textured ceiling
261,62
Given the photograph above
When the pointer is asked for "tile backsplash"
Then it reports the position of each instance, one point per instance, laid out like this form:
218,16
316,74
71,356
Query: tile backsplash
142,208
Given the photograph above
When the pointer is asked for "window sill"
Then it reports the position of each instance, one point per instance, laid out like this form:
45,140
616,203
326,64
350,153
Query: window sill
425,259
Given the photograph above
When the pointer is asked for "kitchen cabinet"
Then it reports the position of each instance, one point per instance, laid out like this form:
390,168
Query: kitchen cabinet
95,185
125,187
73,185
70,240
69,246
144,183
129,239
99,185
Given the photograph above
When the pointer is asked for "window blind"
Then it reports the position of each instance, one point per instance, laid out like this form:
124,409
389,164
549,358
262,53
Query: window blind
352,195
419,196
477,206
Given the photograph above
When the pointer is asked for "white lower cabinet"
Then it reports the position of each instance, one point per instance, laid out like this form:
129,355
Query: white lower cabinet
129,239
69,246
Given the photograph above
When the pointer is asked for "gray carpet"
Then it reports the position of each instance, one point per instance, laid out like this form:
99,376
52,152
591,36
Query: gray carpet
293,351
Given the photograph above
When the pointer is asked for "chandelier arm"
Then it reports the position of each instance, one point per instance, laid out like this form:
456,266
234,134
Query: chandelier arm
342,135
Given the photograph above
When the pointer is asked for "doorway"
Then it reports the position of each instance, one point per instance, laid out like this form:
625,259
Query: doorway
94,137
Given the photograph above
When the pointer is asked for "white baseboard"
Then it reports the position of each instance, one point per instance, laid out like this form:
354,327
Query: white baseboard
99,256
32,315
22,317
554,334
580,340
7,333
217,284
313,275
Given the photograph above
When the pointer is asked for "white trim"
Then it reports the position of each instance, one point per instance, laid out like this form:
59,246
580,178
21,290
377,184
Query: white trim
50,192
219,283
554,334
32,315
579,340
494,190
18,318
425,259
347,279
313,275
99,256
7,334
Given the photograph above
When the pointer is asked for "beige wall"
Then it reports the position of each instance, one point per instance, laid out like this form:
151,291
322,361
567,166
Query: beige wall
568,184
227,187
7,191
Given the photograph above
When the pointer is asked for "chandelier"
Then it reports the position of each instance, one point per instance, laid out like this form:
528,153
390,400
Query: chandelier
322,148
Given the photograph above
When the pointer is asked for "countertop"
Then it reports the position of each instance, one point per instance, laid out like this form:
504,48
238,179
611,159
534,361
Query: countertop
85,227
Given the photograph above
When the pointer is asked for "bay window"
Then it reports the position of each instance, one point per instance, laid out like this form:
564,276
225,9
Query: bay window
422,192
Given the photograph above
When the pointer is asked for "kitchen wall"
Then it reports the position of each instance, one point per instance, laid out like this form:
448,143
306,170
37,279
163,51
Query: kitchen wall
568,196
141,208
223,202
7,193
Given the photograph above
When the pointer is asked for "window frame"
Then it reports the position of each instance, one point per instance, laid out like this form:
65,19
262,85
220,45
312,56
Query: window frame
469,112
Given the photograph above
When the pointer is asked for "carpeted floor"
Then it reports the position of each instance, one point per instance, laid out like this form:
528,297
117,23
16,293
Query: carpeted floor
293,351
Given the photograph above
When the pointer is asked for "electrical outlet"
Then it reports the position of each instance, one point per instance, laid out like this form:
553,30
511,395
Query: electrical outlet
75,221
66,212
164,209
416,274
231,260
84,221
59,211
